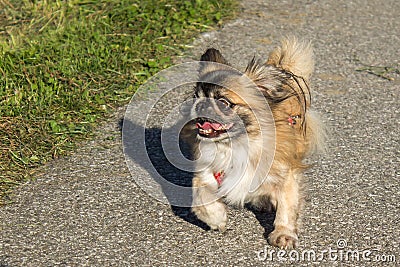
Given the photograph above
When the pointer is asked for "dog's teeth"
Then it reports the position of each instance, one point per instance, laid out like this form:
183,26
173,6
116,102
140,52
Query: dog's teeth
202,131
228,126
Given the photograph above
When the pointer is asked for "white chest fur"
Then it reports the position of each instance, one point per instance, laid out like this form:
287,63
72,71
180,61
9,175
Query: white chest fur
244,165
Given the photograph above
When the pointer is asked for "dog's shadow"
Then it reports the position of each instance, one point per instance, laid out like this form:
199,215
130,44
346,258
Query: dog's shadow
163,168
265,217
177,176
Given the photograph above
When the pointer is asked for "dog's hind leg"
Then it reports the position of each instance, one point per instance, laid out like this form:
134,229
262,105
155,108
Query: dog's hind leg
287,200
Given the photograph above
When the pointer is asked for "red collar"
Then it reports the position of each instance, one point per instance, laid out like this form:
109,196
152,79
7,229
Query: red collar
219,176
292,119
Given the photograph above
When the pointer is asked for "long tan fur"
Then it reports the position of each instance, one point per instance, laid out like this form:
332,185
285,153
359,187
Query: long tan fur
284,82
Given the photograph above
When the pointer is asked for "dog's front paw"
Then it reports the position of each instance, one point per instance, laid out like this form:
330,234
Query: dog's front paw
283,238
213,214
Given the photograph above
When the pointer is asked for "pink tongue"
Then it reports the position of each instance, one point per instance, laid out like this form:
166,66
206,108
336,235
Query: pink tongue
208,125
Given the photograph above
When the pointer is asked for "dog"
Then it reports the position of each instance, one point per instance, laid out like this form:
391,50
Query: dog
253,131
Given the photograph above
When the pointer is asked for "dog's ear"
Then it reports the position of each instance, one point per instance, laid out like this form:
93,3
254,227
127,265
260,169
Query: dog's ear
207,59
267,78
276,85
213,55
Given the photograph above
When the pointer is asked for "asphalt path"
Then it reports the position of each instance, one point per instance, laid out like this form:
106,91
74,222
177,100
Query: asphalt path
88,210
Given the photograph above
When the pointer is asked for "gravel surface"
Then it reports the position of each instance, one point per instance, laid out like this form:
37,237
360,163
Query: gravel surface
86,210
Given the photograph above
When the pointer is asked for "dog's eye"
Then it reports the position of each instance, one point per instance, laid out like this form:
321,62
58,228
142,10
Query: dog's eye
224,102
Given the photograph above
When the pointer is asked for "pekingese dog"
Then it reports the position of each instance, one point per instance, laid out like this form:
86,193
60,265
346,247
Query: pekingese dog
253,131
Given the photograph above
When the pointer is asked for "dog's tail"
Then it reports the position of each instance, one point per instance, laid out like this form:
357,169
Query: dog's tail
317,134
297,57
293,56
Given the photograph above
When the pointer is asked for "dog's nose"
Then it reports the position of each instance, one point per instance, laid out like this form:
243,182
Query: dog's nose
204,106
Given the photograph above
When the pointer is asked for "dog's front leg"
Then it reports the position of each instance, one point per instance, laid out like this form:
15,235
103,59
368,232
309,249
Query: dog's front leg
286,198
206,205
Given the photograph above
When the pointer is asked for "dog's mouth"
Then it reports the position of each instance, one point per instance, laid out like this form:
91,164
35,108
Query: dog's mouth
210,128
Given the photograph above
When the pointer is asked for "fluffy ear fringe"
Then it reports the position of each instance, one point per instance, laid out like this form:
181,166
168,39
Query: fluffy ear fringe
293,56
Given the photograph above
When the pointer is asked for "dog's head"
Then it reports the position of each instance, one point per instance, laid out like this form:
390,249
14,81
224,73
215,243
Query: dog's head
217,108
229,103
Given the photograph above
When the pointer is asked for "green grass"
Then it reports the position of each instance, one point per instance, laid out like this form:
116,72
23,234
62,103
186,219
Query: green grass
64,65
